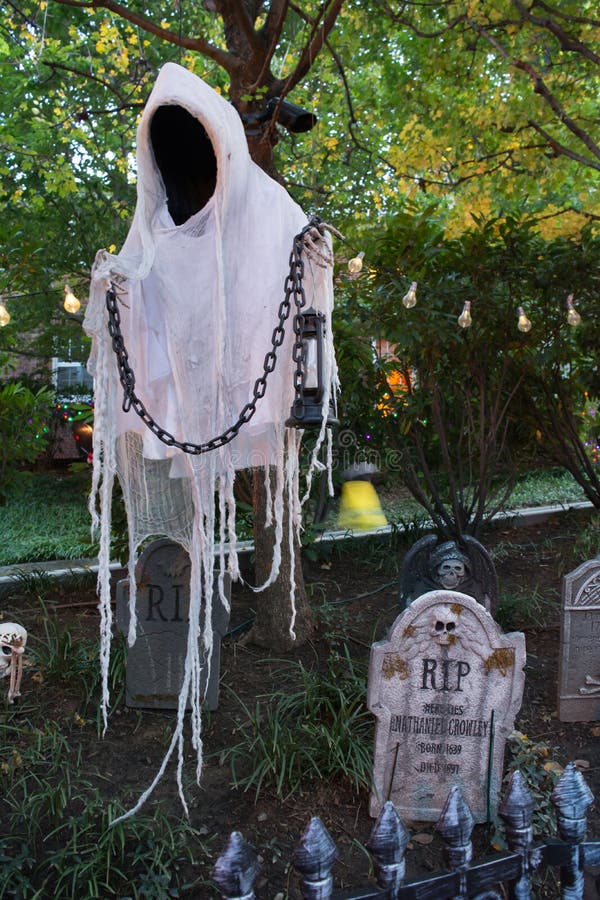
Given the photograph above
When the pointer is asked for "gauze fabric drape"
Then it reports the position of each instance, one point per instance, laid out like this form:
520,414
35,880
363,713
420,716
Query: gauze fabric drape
198,302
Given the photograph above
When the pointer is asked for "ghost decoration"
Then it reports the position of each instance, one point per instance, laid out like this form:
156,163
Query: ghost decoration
196,294
13,639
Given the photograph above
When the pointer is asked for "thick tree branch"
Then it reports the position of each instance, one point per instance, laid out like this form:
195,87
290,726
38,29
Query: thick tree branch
541,88
580,20
562,148
321,26
566,41
271,33
339,65
200,45
234,13
275,19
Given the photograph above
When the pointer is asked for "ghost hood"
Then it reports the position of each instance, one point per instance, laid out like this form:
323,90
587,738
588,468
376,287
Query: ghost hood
202,271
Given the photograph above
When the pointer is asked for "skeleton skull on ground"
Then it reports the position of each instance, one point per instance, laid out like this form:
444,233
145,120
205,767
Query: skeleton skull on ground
451,573
13,639
443,626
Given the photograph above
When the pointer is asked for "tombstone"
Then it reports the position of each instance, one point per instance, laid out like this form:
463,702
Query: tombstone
465,566
579,668
445,688
155,663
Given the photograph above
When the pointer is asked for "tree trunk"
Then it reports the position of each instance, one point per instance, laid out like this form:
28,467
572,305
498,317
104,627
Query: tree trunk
274,611
273,615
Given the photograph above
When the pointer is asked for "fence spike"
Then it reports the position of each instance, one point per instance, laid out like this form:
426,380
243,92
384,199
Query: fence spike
455,823
387,845
236,869
455,826
313,858
572,797
516,809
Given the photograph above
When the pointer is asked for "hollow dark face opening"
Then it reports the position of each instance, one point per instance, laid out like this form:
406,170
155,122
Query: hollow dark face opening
186,160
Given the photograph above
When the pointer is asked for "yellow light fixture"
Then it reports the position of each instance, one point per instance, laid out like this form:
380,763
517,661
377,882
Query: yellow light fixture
410,298
465,320
71,304
573,317
356,263
4,315
523,324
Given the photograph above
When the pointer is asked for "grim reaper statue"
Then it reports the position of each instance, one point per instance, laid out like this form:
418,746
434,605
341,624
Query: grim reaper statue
184,320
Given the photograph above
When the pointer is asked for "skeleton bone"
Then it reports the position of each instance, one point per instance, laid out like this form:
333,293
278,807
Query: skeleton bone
316,246
594,685
13,639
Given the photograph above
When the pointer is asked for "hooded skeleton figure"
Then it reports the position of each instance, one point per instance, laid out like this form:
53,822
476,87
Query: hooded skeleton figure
199,282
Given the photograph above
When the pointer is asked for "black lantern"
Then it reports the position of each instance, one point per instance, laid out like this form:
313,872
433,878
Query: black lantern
307,408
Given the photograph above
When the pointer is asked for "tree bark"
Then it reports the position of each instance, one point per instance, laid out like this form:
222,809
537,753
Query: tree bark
273,614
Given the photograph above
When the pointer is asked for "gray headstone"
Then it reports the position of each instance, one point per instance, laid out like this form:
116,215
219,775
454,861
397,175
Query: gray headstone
434,565
579,672
155,663
445,688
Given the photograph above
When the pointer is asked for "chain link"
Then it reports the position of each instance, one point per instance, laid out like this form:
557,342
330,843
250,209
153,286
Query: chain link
293,288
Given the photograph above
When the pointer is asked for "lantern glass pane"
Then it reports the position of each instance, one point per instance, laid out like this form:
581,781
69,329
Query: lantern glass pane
311,366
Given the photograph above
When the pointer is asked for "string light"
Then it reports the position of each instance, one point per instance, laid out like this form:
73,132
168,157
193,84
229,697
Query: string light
465,320
4,315
410,298
356,263
71,304
573,317
523,324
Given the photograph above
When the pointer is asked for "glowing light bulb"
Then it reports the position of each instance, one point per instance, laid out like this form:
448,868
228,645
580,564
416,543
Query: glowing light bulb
410,298
465,320
4,315
71,304
355,265
524,324
573,317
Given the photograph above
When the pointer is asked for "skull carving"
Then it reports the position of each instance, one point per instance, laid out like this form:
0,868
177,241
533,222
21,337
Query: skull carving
443,623
451,573
13,639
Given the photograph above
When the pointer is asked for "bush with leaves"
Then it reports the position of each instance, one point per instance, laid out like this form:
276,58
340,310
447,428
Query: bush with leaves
472,399
23,429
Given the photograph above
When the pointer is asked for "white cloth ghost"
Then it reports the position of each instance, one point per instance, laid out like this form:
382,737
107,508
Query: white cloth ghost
200,279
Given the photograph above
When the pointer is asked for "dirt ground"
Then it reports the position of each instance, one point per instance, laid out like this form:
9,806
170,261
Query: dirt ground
530,563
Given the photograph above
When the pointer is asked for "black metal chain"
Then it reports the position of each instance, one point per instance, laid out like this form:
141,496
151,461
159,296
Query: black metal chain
293,288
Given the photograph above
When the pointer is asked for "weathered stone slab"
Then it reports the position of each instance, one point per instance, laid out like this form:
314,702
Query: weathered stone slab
155,663
445,688
579,670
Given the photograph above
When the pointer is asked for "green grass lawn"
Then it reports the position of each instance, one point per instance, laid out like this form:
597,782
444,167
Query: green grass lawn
46,516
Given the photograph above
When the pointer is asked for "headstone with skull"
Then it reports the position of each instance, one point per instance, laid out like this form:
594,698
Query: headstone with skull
13,639
432,565
155,662
445,688
579,671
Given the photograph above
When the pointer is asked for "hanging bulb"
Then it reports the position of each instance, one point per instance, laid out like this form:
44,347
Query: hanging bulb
71,304
465,320
573,317
410,298
524,324
355,265
4,315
